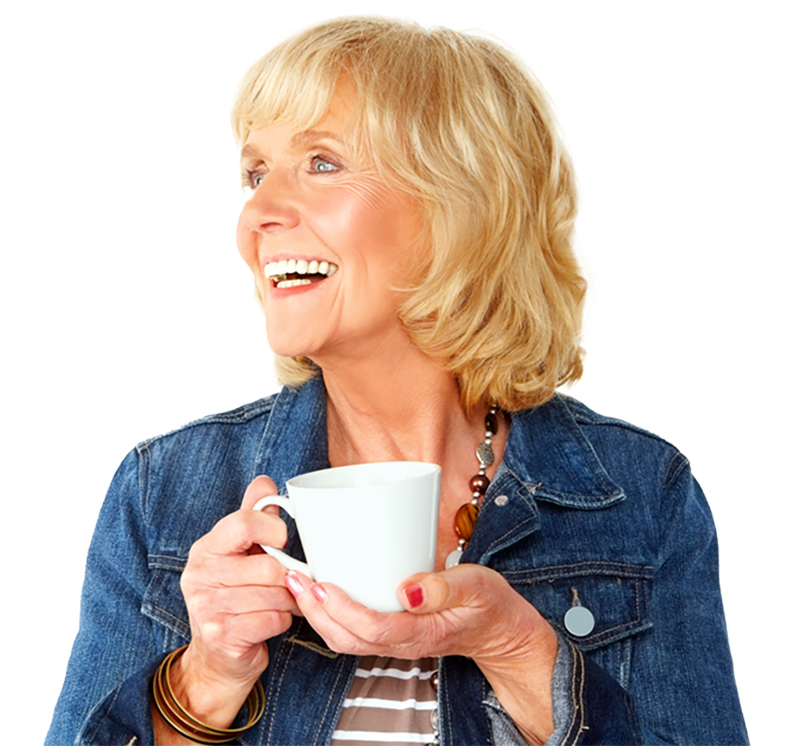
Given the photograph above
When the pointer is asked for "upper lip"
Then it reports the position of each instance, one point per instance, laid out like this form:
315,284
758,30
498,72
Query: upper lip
286,255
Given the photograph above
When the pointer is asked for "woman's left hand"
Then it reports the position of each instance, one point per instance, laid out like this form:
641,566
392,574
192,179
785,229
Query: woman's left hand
468,610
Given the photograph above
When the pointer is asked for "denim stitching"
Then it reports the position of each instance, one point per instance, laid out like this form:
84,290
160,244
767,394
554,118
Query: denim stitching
674,469
106,711
443,700
499,540
564,571
166,562
328,704
242,414
152,609
284,656
144,476
576,692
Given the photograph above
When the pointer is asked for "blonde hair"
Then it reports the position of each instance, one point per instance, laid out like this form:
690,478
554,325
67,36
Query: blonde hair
459,123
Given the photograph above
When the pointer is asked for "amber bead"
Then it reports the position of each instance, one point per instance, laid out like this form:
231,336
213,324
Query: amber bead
464,523
491,423
479,483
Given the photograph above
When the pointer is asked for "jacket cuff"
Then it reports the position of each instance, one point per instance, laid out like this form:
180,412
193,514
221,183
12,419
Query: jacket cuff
123,718
589,707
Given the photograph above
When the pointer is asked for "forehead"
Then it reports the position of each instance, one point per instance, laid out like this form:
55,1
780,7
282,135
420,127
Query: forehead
337,123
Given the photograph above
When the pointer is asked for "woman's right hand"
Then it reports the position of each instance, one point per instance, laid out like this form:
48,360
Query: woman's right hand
236,599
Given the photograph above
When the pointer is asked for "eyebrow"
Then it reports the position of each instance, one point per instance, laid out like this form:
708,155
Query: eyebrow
301,138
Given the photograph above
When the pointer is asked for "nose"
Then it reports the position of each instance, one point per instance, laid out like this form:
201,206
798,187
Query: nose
272,207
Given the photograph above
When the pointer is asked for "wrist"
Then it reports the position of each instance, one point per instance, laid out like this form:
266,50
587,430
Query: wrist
520,673
209,697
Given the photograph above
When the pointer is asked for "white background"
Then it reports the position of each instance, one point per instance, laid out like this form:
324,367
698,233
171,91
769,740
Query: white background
127,312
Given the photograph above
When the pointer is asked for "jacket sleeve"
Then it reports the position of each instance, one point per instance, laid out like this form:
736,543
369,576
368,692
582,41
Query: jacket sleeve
681,687
682,680
104,699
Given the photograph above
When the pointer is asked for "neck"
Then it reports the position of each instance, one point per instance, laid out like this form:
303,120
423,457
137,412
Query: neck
399,407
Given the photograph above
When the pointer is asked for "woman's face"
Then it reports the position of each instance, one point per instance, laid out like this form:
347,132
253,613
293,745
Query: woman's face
326,239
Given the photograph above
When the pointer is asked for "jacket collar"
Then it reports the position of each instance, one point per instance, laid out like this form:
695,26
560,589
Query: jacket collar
546,452
295,438
550,455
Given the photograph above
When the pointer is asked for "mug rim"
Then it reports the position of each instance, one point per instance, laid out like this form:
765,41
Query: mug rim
418,469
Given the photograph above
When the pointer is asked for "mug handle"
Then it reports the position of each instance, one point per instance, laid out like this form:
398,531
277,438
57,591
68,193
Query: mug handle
290,563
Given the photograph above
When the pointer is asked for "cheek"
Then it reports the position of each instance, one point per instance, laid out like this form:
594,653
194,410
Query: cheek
246,243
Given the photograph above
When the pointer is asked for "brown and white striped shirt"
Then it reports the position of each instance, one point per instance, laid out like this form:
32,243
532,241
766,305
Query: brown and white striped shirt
391,701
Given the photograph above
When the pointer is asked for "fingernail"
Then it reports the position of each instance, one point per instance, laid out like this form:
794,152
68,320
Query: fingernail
414,595
319,593
293,584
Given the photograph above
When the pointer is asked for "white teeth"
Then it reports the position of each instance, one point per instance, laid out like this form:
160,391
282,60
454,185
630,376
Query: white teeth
276,270
292,283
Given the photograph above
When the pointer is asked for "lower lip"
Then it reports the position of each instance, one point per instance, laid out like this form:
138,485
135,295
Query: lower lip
277,293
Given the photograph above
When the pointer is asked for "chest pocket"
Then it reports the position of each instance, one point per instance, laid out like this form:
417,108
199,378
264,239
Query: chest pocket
617,595
163,602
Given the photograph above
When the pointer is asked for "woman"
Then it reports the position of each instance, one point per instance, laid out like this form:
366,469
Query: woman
409,231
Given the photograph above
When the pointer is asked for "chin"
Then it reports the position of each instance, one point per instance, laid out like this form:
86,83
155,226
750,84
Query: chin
287,345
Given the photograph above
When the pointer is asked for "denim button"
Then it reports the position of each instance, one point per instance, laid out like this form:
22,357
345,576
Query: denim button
579,621
501,500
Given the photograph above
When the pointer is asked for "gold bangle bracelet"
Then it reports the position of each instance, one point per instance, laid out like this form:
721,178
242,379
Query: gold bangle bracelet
177,717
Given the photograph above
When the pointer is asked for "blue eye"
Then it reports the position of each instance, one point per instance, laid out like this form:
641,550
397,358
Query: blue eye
320,166
256,179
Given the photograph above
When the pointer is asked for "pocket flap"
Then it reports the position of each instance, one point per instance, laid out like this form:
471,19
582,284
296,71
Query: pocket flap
617,594
163,599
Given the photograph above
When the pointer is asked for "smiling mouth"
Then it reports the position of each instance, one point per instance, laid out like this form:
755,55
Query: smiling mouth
289,273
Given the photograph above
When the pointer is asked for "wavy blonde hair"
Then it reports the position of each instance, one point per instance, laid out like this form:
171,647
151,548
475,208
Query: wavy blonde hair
461,125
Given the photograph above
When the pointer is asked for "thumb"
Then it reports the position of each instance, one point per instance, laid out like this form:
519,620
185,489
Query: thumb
260,487
427,593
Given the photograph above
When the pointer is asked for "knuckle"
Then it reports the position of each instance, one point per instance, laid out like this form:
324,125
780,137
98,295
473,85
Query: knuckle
212,631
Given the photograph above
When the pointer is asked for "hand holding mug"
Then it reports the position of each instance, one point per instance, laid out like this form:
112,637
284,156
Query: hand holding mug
365,528
236,599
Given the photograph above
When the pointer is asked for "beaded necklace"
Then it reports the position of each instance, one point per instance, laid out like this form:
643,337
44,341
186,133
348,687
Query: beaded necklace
467,514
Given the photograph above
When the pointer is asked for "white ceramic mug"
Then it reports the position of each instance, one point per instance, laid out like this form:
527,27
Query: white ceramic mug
365,528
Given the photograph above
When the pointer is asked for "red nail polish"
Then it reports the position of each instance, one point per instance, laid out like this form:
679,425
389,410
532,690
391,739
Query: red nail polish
414,595
293,584
319,593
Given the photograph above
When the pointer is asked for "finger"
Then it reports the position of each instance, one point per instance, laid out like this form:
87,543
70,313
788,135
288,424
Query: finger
214,571
242,632
261,486
237,532
461,586
346,625
222,602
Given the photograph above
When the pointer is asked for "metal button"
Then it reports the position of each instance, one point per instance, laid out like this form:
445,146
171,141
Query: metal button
435,720
579,621
435,680
501,500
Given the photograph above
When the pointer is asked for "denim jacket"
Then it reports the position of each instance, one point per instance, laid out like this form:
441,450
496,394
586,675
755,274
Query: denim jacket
583,510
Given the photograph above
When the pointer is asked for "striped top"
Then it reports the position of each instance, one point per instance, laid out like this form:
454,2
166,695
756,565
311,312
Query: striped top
391,701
